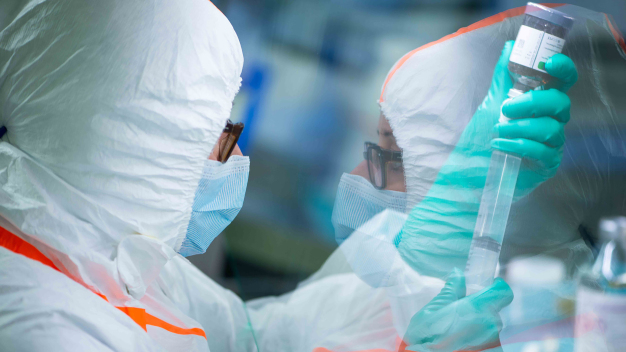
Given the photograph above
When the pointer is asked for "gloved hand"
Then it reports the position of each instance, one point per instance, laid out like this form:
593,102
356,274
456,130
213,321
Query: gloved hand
437,234
453,322
536,129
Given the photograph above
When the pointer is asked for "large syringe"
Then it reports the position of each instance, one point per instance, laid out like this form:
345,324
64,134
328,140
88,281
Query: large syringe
541,35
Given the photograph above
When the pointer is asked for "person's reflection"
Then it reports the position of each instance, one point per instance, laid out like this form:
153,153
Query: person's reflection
376,184
393,171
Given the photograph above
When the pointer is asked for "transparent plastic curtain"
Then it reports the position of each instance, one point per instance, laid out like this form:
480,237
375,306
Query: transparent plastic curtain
383,273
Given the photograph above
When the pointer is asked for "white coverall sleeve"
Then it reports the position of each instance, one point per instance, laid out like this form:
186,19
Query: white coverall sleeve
221,313
42,309
337,309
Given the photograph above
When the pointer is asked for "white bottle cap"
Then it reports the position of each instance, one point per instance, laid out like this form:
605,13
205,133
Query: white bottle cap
514,93
535,270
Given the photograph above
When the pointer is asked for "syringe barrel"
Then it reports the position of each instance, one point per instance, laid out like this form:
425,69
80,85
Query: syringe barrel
481,264
492,218
497,197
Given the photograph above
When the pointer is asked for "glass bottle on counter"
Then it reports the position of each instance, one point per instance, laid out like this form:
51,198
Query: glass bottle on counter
601,294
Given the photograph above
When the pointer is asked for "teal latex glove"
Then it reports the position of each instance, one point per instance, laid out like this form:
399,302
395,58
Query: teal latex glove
536,129
453,322
438,232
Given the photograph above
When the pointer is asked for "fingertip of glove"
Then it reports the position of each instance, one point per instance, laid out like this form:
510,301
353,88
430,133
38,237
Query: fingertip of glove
455,273
498,281
554,61
562,67
503,287
549,66
506,107
511,106
456,282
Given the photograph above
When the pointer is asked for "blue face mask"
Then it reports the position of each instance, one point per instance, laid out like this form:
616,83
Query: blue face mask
357,201
217,202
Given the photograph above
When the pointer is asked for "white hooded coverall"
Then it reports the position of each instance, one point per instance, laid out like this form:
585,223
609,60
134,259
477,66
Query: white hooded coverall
111,108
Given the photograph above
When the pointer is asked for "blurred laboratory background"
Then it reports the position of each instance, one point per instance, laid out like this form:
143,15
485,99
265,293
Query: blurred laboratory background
312,77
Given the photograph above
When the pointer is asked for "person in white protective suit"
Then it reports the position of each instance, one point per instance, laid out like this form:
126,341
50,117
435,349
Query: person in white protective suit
434,99
109,113
111,109
442,103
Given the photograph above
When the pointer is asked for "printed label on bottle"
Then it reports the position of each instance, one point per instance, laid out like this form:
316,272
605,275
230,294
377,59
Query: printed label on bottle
600,321
534,47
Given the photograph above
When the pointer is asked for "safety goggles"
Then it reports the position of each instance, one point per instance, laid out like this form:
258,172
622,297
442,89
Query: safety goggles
227,143
380,162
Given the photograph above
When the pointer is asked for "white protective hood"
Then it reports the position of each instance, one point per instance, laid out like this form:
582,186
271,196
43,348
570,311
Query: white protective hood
111,109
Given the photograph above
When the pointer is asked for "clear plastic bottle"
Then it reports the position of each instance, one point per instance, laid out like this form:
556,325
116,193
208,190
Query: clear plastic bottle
601,294
541,35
